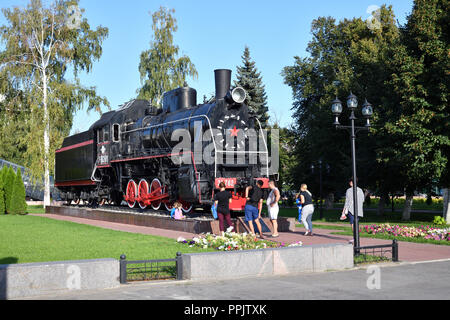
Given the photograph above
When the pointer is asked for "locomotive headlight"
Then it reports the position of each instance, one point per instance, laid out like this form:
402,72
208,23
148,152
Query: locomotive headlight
237,95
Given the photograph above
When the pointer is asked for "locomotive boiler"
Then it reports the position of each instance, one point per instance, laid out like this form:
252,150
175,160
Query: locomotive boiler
149,156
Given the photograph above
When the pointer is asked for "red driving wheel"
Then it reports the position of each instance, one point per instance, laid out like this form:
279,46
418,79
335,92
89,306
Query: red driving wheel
142,191
131,193
156,184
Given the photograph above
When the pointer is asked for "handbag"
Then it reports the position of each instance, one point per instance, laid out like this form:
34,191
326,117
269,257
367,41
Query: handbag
214,211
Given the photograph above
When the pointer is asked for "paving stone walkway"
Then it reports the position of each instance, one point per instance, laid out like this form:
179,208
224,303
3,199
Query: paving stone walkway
408,251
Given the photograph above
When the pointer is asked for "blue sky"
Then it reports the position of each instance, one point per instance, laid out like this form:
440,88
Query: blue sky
213,34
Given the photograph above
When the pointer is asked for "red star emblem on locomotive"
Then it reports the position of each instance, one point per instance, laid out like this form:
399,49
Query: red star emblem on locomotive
234,132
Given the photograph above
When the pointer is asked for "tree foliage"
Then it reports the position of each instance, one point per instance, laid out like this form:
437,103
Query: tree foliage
403,72
420,79
160,67
250,79
344,56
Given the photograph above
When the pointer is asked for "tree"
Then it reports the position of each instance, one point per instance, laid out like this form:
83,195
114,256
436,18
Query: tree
345,56
18,204
40,45
250,79
160,67
420,78
8,183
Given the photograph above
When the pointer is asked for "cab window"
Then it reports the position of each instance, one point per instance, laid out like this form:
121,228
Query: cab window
116,132
106,134
99,136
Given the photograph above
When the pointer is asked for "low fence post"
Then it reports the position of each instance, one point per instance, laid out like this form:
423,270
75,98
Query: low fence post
394,250
123,269
179,267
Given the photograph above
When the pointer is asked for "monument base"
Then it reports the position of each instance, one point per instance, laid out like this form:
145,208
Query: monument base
162,221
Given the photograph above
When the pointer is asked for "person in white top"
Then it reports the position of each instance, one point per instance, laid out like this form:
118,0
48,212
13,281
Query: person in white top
272,206
349,209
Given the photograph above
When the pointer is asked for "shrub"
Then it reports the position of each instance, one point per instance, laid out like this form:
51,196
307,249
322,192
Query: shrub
8,183
18,203
440,221
2,195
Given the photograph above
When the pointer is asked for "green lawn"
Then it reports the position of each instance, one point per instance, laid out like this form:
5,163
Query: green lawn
418,204
370,217
35,209
36,239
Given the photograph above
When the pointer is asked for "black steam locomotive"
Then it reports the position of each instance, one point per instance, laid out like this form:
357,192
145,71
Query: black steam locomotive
131,155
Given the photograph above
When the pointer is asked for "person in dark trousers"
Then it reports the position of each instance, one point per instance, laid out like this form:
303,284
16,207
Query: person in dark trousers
254,206
349,208
222,201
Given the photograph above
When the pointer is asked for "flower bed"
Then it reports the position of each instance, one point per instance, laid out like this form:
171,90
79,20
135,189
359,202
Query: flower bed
424,232
231,241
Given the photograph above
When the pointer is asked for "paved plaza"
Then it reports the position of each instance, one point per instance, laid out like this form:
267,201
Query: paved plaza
424,280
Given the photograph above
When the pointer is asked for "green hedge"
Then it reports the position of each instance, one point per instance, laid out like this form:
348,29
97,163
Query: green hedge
12,192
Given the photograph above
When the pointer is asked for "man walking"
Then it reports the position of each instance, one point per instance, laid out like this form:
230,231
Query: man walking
349,209
254,206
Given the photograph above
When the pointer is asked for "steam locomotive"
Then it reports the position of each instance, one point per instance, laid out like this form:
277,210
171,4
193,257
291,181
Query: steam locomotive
134,154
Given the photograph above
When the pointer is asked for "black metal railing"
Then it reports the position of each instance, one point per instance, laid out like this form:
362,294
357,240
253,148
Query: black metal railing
146,270
382,252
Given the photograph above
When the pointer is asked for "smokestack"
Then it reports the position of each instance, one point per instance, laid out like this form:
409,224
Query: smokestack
223,82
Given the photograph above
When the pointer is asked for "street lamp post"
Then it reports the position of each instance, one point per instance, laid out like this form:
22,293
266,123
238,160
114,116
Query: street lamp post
367,112
320,184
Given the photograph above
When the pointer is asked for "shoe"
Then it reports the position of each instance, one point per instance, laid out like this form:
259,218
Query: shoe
275,235
307,233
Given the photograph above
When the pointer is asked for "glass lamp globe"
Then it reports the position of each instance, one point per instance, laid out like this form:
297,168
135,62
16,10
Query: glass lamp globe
352,101
336,107
367,110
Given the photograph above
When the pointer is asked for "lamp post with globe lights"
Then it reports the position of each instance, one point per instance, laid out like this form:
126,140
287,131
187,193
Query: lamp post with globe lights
327,167
367,112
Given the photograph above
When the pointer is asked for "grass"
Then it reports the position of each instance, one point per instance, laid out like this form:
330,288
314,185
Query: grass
37,239
370,217
418,204
35,209
365,258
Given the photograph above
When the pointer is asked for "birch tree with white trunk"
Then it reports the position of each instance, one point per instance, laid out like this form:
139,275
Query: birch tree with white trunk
41,45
